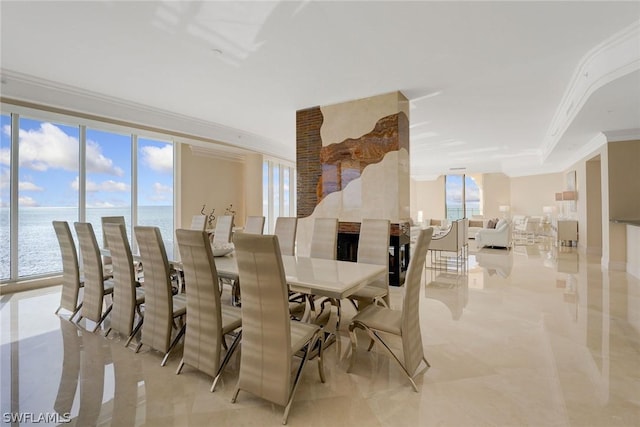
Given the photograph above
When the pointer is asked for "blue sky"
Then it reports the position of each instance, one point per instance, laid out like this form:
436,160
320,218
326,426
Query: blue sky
49,167
454,189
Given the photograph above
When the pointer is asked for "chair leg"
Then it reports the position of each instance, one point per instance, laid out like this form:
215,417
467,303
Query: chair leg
106,334
226,359
134,332
235,395
354,344
180,366
173,344
319,340
59,307
75,311
139,346
375,336
104,316
295,384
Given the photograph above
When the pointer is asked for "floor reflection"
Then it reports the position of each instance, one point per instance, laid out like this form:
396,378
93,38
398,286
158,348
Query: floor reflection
547,338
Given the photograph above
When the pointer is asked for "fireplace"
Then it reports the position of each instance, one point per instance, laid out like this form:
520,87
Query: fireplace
399,249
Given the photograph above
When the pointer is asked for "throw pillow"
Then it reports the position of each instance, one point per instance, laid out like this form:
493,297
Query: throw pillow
491,224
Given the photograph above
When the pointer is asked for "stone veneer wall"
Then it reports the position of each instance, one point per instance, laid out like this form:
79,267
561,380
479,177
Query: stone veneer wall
352,162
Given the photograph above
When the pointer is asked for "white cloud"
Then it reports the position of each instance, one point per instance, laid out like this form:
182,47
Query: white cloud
109,186
5,178
27,201
161,192
158,159
28,186
6,129
160,188
102,205
50,148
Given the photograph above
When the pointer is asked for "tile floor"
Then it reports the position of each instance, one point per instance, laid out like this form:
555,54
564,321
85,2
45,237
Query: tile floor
535,336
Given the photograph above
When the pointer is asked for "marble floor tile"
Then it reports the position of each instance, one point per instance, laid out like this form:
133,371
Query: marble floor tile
534,336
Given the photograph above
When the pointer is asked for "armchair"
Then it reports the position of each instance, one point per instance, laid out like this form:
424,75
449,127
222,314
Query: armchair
499,236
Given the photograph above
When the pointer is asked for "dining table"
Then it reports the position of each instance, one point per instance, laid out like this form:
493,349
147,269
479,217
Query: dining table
314,277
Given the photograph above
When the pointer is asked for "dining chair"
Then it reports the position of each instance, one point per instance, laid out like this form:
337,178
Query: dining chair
199,222
222,233
161,307
71,280
127,295
208,320
324,239
286,228
106,260
254,225
95,285
373,248
376,320
270,339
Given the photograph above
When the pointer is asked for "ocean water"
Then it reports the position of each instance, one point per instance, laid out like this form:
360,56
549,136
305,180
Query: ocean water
38,249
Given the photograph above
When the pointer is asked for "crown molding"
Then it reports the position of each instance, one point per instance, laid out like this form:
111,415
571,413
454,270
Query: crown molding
615,57
622,135
26,89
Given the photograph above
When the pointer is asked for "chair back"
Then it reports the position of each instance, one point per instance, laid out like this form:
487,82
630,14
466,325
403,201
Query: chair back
254,225
373,245
124,277
93,273
286,229
224,225
158,306
324,240
70,268
105,239
410,326
203,339
265,365
199,222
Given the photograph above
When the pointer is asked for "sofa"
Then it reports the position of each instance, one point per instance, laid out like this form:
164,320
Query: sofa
499,236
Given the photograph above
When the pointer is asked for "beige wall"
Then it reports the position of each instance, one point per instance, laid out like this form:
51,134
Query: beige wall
624,179
428,197
529,194
252,187
208,180
593,209
496,192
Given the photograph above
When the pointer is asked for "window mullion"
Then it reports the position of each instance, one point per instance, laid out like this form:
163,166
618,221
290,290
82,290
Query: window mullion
82,174
14,185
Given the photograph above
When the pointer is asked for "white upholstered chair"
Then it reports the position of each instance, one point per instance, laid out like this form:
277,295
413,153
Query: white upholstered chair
222,233
127,296
198,222
377,321
286,228
373,248
324,240
95,286
270,339
254,225
208,320
71,280
161,306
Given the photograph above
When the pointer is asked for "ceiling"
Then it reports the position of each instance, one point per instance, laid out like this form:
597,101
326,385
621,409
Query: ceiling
494,86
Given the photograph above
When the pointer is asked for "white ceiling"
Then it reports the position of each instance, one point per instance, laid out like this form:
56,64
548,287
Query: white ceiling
489,81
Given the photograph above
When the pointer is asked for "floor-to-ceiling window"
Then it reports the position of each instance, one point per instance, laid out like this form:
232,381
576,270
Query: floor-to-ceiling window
278,191
5,197
155,188
462,197
48,168
70,169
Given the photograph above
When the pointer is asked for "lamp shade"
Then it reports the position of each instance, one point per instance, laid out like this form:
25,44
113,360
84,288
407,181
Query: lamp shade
547,209
504,208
